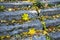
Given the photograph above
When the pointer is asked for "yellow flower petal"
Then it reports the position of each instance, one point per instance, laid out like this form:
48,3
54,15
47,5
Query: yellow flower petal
32,31
44,32
8,36
13,21
25,17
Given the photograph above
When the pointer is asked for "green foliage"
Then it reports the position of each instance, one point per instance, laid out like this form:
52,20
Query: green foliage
44,25
50,5
13,0
48,37
39,4
2,8
58,5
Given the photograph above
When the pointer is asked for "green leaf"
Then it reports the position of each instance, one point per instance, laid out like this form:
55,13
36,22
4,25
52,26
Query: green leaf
47,37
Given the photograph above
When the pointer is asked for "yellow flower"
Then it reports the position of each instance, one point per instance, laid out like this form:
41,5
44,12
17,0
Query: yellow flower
3,20
8,36
32,31
25,16
45,32
13,21
10,9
